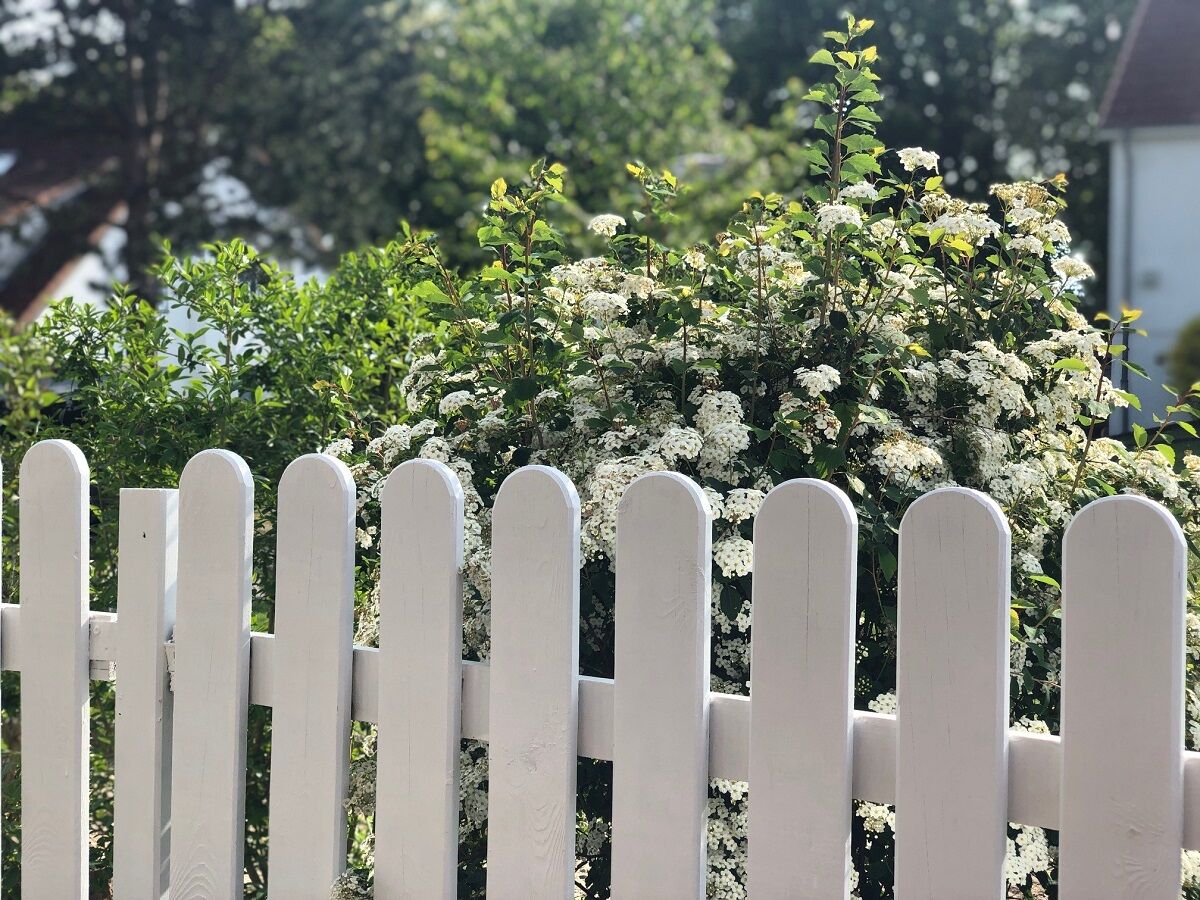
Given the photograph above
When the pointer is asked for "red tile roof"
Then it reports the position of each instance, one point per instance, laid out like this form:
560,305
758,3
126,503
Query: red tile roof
1157,77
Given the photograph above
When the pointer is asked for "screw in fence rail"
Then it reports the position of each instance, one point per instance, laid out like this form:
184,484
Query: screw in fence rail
147,552
534,693
54,671
661,689
1121,820
952,698
212,668
420,683
313,651
802,693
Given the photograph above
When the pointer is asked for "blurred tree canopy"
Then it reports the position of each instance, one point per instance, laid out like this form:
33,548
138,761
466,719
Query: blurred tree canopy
323,124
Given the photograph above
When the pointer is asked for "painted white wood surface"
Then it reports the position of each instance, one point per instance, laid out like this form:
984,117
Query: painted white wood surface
1124,578
661,689
802,693
147,551
952,698
211,677
54,678
3,660
314,642
534,725
420,683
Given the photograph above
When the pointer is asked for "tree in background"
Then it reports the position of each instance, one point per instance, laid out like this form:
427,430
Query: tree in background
342,117
148,80
1004,89
586,83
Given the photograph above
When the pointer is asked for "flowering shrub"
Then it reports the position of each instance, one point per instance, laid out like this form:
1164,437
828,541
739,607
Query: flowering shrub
877,332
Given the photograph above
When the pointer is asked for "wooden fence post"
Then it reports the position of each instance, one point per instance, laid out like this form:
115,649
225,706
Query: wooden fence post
1124,583
211,681
55,668
314,642
802,693
533,720
661,689
952,698
420,684
146,570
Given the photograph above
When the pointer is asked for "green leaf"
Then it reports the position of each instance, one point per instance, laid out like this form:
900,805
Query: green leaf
1071,364
823,57
887,564
1130,398
1139,435
521,390
1046,579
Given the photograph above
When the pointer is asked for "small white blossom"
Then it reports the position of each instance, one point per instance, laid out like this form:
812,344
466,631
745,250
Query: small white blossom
604,306
680,443
340,448
606,225
1071,267
742,504
913,158
734,556
862,190
831,215
453,402
1027,244
819,380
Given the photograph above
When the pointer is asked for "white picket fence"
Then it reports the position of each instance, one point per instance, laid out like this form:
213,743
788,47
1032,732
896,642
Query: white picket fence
1118,784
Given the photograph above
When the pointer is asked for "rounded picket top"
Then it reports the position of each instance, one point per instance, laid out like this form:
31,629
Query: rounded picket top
1124,587
420,674
668,495
1123,517
976,509
211,675
318,470
809,497
534,690
532,488
433,482
218,471
952,677
54,554
661,688
802,687
52,460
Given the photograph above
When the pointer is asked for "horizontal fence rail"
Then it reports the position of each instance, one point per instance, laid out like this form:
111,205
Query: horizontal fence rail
1033,764
1118,784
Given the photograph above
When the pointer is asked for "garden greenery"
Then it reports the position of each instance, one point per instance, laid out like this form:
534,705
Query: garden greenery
877,332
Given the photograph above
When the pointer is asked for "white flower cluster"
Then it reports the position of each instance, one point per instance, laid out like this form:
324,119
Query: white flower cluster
606,225
831,215
913,158
603,306
819,380
930,376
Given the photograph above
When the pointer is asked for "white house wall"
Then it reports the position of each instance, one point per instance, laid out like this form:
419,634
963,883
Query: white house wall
1154,248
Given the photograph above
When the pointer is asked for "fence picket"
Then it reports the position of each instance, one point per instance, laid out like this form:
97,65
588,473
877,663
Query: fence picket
420,676
661,690
1124,577
211,677
146,566
534,706
952,697
314,642
802,693
55,674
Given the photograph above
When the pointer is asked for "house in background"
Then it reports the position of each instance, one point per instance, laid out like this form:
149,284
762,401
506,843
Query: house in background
59,222
1151,116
